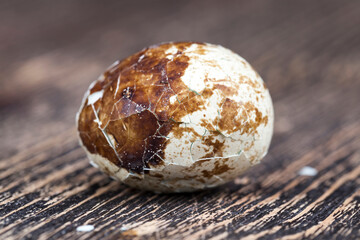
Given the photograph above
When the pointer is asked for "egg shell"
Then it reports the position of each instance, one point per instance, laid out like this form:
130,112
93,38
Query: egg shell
177,117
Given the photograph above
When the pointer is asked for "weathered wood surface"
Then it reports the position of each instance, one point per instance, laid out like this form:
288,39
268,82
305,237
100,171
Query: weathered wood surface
308,52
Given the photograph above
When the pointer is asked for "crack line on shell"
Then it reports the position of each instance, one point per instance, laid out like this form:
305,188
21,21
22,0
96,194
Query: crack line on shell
138,109
156,154
145,149
192,143
117,85
230,156
218,177
104,133
159,100
112,66
152,169
127,130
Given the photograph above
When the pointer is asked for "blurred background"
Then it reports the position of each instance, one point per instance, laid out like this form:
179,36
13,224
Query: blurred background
308,53
50,51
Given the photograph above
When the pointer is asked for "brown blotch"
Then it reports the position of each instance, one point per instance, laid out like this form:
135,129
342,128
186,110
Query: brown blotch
136,110
248,81
207,93
219,168
229,111
201,50
207,125
216,144
228,117
178,131
186,104
228,91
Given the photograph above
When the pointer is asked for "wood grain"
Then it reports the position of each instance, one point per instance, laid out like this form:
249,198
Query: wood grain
307,52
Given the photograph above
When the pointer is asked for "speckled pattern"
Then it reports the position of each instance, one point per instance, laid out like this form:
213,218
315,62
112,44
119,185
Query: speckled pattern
177,117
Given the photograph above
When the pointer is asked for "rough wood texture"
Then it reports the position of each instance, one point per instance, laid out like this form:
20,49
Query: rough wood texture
308,53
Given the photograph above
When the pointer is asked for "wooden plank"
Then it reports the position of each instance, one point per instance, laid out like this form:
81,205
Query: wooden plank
307,52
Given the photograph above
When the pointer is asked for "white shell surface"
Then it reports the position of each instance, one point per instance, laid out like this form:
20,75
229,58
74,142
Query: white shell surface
214,144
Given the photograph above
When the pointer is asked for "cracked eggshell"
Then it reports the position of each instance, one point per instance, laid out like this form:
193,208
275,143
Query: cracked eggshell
177,117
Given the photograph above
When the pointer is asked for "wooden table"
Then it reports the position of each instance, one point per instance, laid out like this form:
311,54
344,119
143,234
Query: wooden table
308,52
